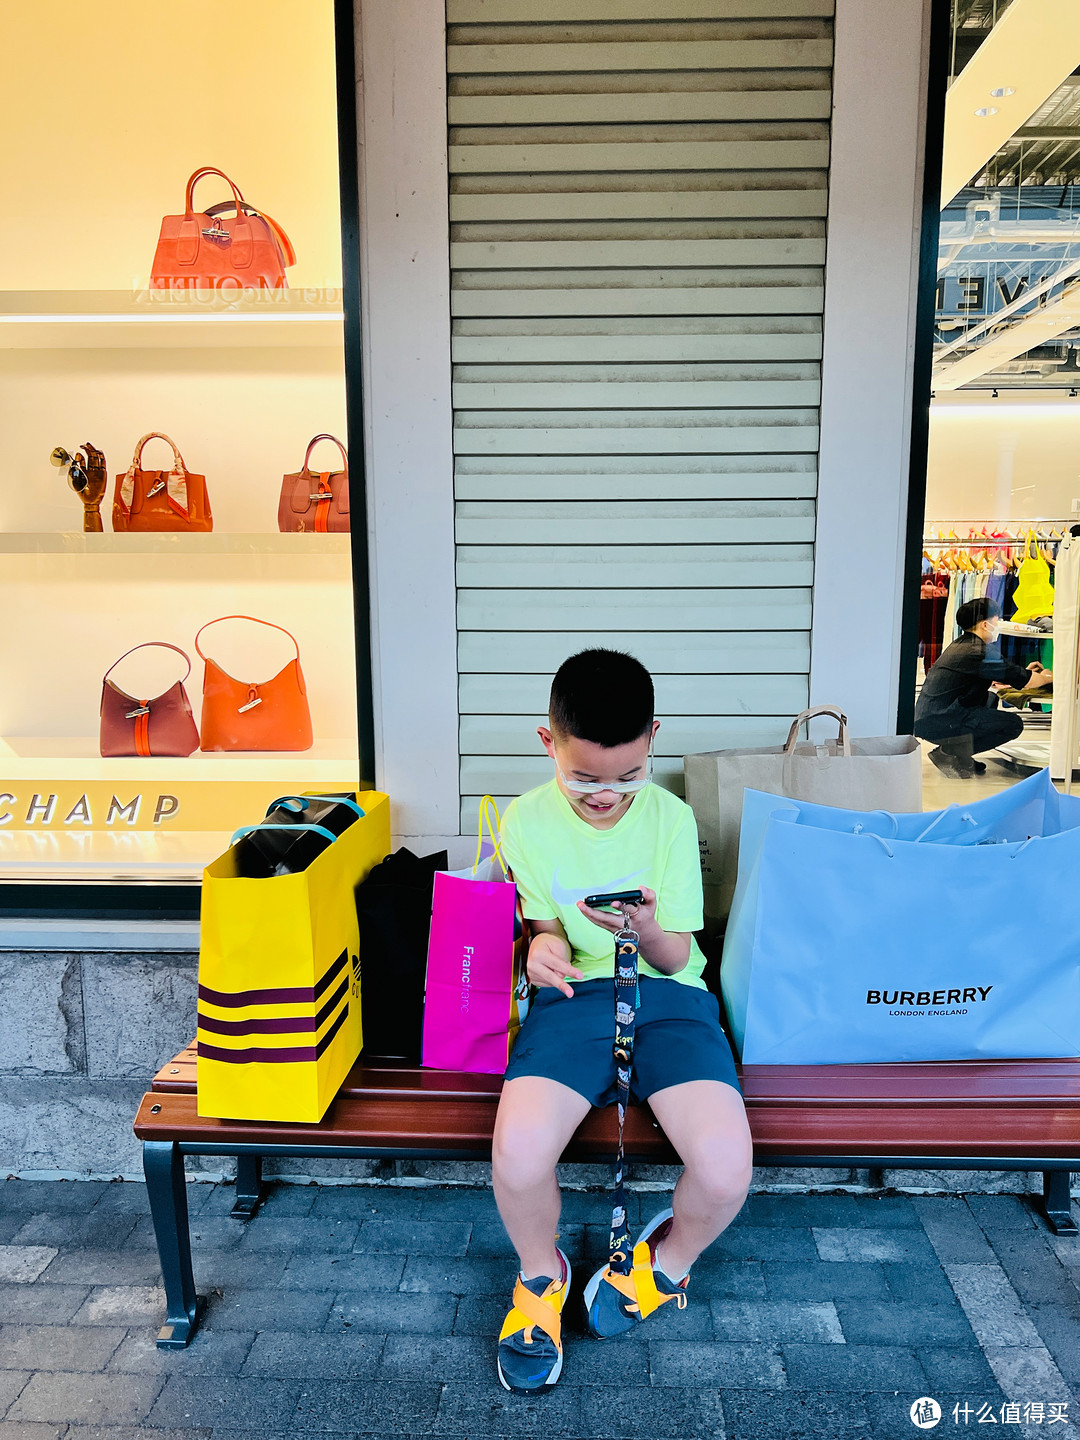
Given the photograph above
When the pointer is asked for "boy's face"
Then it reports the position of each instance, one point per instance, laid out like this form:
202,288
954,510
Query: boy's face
585,762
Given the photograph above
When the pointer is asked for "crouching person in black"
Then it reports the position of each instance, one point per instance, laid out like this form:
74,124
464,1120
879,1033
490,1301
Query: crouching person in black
957,706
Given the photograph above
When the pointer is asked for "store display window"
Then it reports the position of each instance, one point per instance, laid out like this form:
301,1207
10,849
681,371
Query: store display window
178,646
1000,565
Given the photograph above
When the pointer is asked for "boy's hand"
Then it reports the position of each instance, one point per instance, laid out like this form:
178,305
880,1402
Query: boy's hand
549,963
613,920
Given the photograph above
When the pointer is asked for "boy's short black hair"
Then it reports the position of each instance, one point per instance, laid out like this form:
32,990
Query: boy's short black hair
604,696
973,612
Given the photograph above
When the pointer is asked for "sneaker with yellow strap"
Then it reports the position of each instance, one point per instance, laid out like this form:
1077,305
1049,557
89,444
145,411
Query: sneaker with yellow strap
615,1302
530,1352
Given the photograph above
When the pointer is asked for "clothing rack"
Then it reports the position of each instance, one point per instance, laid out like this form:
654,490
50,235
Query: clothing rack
938,542
1006,541
1034,521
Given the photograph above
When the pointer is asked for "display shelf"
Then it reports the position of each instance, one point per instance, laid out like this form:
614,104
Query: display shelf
1030,751
67,813
219,542
1023,632
146,319
106,857
79,759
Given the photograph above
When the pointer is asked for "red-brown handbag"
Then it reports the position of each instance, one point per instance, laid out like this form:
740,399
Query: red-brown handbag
209,250
161,726
160,499
316,500
249,715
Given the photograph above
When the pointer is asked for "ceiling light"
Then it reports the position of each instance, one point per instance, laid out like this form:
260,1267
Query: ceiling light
1004,90
986,111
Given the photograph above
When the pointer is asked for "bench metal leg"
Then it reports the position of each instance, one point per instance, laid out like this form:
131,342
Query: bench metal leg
163,1165
1057,1202
249,1187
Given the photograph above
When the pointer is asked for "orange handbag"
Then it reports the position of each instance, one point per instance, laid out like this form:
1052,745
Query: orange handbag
249,715
316,501
160,499
209,250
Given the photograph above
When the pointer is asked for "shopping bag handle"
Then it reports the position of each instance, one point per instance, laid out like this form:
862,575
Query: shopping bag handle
488,808
857,829
302,801
806,716
263,825
968,819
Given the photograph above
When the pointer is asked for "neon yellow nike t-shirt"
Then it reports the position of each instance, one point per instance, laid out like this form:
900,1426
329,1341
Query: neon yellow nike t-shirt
558,858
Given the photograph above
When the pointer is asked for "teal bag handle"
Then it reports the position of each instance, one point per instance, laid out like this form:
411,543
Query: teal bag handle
302,802
262,825
295,804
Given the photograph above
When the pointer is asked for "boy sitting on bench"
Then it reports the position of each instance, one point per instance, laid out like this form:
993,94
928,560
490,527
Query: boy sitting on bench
599,826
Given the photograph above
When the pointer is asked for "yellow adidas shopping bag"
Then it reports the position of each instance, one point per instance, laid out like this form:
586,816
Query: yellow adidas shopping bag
279,985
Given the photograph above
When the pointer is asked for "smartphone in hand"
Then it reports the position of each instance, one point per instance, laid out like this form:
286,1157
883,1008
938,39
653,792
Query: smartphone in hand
627,897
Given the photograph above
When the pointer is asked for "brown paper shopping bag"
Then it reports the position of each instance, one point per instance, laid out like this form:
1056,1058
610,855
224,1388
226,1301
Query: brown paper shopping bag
882,772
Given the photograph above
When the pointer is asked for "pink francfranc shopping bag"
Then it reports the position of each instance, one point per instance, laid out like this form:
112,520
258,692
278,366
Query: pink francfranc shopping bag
477,993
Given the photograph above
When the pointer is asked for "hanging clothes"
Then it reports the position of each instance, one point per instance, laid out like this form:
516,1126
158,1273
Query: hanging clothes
1066,620
995,585
1034,592
951,604
933,598
1008,603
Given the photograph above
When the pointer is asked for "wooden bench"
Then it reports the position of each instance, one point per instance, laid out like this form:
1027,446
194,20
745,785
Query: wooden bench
964,1115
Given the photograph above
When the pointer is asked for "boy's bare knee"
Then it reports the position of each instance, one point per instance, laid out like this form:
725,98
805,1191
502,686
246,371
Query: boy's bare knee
723,1180
522,1156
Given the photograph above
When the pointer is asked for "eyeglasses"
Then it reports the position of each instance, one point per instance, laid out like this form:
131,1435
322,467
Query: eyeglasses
618,787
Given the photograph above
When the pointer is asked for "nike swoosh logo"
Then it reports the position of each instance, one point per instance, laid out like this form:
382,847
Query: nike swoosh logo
564,895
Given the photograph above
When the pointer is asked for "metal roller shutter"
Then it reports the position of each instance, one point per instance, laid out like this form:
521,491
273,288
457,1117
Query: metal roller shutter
637,200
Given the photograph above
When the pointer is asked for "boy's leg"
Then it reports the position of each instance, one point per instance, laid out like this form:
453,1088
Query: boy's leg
706,1123
537,1118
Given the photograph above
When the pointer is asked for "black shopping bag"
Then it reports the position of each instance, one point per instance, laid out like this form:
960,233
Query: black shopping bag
296,830
394,911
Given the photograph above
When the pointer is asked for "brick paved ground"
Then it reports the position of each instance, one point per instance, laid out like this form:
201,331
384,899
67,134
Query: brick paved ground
371,1311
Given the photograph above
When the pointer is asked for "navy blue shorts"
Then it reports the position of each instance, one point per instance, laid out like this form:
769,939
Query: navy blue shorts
677,1038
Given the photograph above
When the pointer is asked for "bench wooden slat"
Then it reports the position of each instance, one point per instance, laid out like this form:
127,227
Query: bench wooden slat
465,1124
403,1122
1002,1083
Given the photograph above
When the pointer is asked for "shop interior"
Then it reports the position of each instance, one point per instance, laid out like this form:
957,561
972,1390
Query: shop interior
1003,473
98,351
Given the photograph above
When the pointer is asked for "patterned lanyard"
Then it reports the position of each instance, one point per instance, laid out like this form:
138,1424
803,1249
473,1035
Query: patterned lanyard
626,1003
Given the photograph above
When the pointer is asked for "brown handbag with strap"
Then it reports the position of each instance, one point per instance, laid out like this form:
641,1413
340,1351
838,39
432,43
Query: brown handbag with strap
207,250
160,499
163,725
254,715
316,501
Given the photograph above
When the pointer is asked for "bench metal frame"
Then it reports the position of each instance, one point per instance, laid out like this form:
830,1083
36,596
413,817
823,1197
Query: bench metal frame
163,1164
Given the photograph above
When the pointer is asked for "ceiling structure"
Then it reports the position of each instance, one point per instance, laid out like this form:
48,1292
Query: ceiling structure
1008,302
